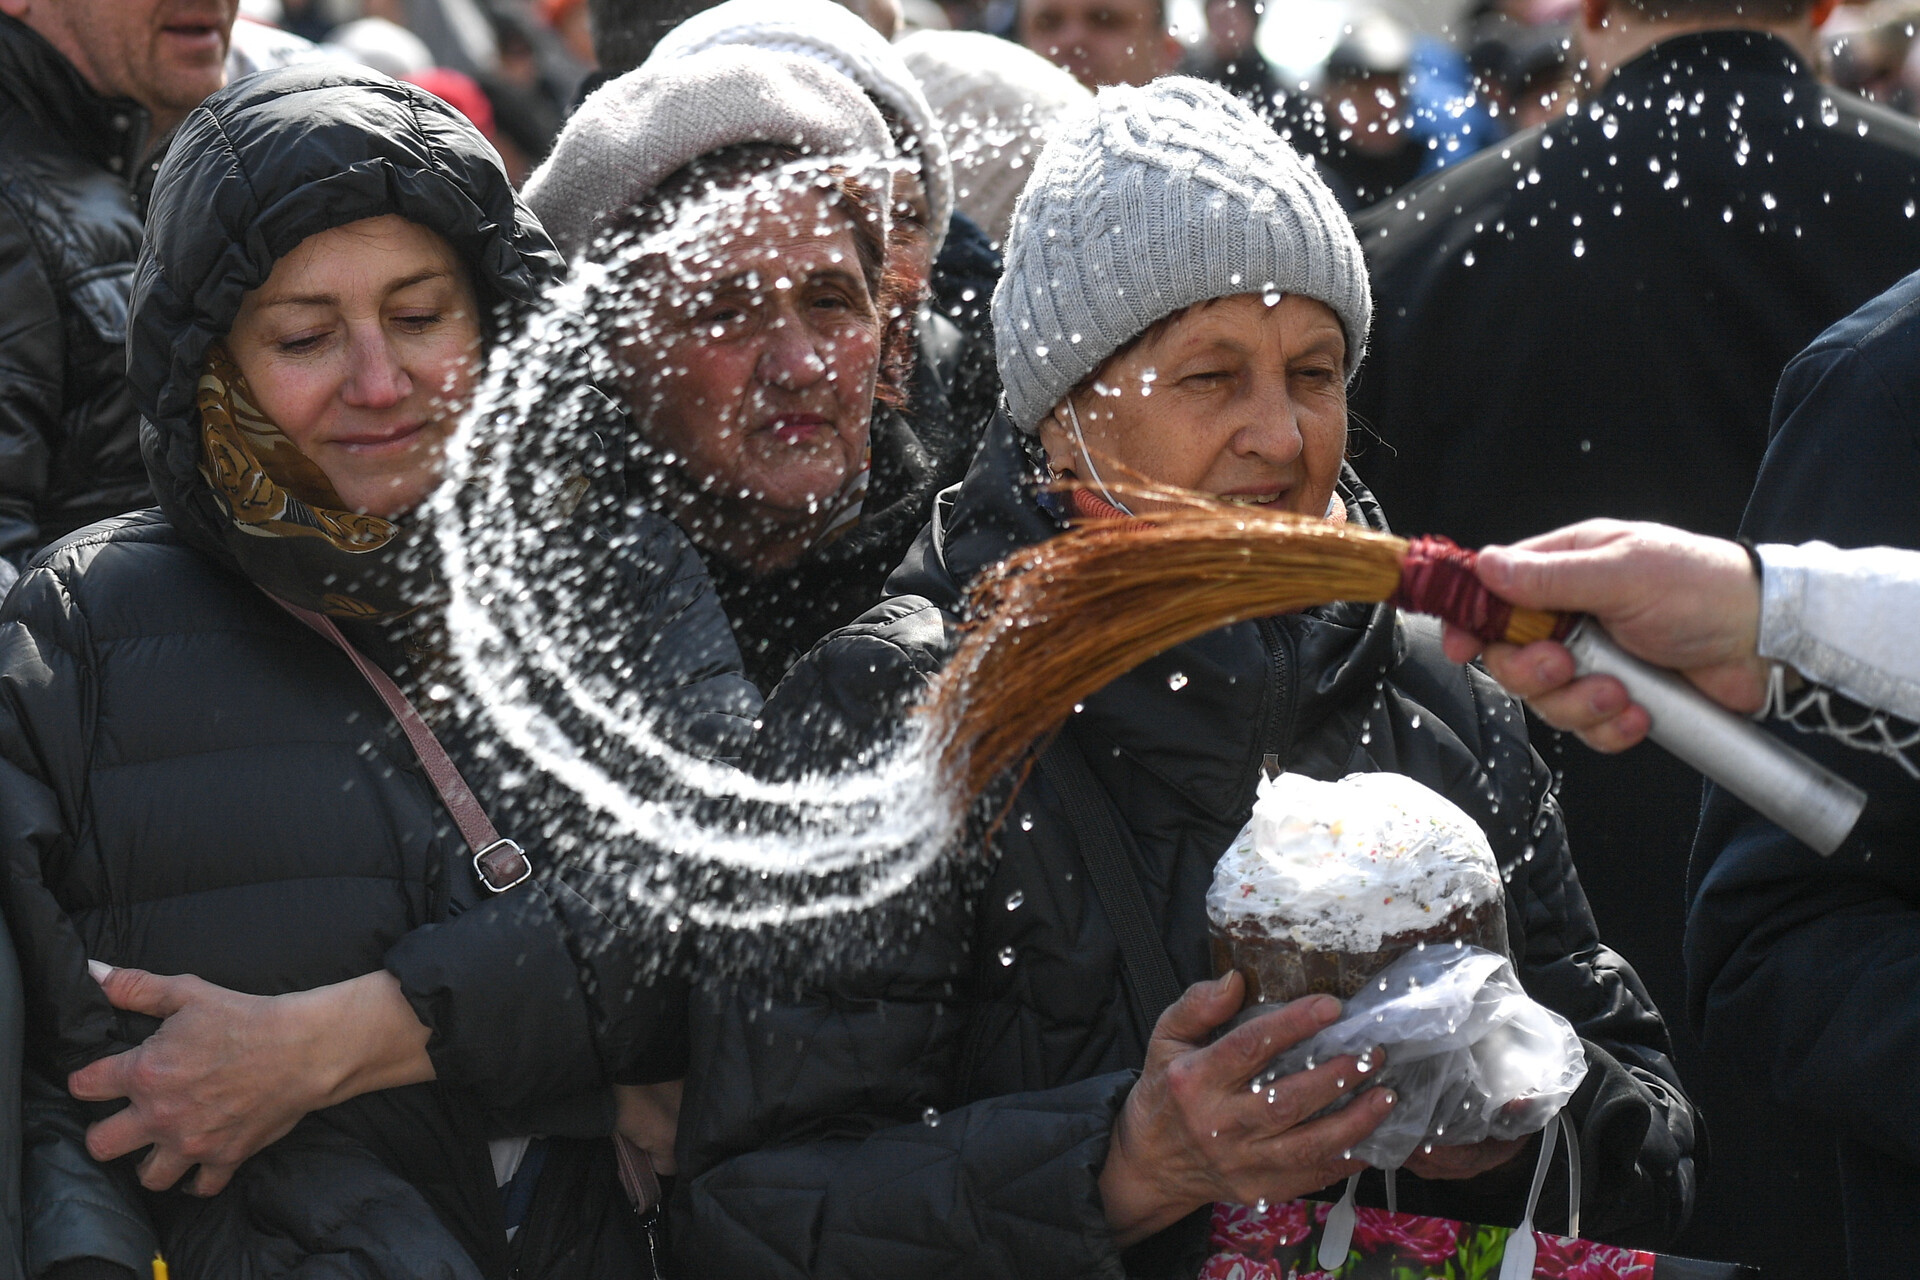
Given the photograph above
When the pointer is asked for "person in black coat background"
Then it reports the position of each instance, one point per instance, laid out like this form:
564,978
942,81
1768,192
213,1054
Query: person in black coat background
1589,319
982,1097
70,151
1801,968
193,782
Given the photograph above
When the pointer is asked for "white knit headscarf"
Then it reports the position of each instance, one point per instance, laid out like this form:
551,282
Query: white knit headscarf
638,128
832,36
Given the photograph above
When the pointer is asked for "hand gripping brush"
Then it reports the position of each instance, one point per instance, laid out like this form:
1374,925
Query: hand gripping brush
1061,619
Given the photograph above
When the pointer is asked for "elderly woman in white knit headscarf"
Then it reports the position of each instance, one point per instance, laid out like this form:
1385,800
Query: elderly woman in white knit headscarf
729,210
1041,1079
939,309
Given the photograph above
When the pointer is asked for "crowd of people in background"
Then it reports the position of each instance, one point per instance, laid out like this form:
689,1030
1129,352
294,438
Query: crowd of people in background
1544,262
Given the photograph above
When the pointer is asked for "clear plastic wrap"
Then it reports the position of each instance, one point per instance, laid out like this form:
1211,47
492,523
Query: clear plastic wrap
1469,1053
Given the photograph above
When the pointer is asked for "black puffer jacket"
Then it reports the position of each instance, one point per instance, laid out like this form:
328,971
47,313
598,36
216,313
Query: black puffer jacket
69,234
191,781
803,1138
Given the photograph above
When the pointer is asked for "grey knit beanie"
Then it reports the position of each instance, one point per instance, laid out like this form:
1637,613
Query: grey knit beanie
1149,200
831,35
637,129
997,103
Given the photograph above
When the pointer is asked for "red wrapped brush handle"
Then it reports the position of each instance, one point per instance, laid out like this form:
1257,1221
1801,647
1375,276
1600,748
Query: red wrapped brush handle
1437,578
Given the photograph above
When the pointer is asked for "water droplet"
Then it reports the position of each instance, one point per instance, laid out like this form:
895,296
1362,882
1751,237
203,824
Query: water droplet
1014,900
1006,957
1026,822
1579,248
1177,681
1259,1206
930,1118
1468,260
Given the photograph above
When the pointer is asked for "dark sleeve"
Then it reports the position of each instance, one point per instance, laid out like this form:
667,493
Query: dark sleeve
76,1210
67,1205
822,1135
537,994
1636,1126
32,357
819,1138
1802,971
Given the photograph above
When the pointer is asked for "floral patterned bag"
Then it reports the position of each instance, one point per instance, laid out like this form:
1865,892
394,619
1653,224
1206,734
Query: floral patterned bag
1293,1241
1282,1242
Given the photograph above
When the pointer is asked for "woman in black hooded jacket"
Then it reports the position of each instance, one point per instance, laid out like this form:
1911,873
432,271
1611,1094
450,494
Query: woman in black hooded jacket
194,782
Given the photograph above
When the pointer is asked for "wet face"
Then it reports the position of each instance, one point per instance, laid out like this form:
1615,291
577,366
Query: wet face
362,346
166,55
751,365
1236,398
1100,41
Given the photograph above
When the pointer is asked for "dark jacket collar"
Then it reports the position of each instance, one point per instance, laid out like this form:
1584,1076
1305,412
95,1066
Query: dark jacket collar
1703,59
110,132
1201,736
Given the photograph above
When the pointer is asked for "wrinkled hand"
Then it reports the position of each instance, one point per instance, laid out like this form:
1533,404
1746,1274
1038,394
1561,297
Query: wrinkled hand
1678,600
228,1073
1193,1132
1469,1161
648,1116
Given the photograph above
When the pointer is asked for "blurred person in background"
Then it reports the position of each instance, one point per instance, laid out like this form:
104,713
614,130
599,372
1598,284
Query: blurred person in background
1589,319
1232,60
1101,41
996,103
1369,140
85,86
1524,74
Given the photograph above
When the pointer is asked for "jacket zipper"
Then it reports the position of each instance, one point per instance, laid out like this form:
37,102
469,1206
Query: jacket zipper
1276,722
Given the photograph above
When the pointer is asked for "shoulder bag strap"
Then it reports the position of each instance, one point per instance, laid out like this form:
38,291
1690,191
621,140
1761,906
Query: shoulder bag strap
500,863
1150,979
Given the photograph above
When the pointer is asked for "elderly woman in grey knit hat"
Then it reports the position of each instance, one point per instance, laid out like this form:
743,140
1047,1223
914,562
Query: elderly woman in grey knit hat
1041,1081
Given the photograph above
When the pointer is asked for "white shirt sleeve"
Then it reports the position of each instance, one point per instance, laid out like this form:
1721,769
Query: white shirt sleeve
1846,619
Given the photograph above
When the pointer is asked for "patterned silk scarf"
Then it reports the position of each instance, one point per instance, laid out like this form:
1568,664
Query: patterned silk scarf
269,487
271,490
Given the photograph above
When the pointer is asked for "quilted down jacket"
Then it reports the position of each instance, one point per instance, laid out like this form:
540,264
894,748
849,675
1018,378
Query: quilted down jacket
69,234
193,782
944,1110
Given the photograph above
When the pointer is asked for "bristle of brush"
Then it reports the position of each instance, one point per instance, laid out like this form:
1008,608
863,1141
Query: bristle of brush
1063,618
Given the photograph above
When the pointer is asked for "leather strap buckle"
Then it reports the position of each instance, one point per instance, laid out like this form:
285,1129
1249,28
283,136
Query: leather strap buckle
502,865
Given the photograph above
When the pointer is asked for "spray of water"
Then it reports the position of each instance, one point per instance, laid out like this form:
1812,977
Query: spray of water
600,729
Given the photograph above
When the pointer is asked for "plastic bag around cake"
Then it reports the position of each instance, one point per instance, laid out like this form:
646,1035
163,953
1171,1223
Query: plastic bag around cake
1469,1053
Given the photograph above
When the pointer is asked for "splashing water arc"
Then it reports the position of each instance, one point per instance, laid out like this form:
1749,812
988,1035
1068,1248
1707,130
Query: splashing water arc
534,609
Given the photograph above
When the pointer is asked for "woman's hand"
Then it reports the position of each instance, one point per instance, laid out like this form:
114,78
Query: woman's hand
648,1116
1678,600
227,1073
1193,1132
